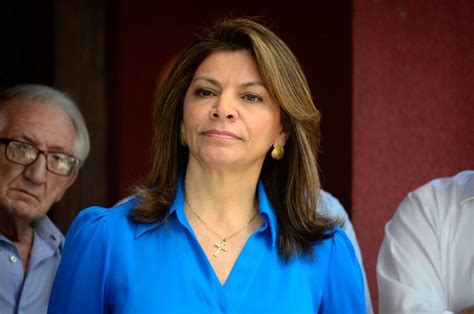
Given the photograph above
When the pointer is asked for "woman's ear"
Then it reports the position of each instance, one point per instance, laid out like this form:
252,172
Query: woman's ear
182,135
281,139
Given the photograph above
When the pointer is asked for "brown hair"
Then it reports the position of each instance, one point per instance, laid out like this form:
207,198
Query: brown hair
292,184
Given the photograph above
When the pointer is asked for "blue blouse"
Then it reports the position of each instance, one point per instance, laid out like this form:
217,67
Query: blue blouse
112,265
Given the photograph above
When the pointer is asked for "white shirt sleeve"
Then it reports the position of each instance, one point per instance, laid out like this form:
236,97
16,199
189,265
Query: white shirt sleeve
409,273
330,206
426,261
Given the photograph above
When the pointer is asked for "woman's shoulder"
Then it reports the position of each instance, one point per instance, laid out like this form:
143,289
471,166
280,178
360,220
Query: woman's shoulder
334,248
117,211
334,238
97,218
341,273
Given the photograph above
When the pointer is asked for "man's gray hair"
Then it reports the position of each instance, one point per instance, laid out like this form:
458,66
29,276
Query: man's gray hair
44,95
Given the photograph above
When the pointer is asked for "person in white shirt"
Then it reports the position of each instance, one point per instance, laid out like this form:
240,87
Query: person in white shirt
426,261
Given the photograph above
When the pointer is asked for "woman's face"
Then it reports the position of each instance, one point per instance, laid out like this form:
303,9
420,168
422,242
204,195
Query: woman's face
229,117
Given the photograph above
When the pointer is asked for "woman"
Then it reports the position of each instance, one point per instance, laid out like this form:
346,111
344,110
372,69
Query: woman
227,221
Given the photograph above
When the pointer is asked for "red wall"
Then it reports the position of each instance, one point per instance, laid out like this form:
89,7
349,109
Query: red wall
413,105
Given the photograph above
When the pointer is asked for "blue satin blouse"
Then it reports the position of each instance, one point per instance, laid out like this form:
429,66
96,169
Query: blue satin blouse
112,265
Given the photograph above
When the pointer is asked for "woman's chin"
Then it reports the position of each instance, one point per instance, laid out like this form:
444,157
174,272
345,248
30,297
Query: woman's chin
231,161
221,161
218,158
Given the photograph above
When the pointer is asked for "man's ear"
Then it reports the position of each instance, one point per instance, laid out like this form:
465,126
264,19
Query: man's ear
67,184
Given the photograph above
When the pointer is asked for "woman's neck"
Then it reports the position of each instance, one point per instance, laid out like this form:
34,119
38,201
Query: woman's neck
221,195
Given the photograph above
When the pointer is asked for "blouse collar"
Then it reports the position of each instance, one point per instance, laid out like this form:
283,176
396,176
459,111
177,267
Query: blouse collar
177,207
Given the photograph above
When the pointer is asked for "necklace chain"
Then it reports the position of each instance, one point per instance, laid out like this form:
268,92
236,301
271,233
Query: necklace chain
223,240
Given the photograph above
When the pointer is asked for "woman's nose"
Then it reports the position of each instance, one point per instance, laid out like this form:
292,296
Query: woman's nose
225,108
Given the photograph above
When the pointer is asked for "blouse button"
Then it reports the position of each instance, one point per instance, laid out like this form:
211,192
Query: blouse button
13,259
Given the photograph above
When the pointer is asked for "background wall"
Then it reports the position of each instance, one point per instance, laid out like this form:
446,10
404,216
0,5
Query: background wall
27,53
413,105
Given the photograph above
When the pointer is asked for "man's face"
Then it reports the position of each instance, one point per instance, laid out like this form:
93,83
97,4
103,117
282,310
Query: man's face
27,192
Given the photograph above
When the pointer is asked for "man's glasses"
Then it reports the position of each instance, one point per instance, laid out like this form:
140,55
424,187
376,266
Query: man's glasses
25,154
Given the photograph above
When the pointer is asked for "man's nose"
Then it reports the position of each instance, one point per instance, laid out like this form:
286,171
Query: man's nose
36,172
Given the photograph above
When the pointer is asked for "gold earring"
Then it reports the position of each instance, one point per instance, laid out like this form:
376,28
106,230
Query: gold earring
182,138
278,152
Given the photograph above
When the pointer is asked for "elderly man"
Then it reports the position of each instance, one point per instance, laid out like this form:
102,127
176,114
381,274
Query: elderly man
43,141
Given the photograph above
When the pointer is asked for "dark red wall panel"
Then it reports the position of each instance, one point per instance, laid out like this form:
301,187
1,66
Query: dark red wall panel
413,105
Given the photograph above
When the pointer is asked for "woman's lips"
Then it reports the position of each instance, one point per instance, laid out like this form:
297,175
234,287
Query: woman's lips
225,135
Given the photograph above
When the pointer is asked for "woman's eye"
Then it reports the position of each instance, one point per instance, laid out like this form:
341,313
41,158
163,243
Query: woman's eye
252,98
204,92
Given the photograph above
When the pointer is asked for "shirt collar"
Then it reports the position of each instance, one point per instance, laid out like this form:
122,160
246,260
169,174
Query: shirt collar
467,190
176,206
45,228
266,211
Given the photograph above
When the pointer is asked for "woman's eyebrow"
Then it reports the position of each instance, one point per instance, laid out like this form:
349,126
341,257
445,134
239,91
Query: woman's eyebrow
216,83
208,79
252,83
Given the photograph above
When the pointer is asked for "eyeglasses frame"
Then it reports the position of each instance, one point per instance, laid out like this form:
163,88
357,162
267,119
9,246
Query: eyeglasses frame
7,142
